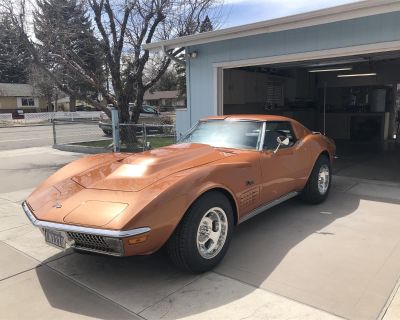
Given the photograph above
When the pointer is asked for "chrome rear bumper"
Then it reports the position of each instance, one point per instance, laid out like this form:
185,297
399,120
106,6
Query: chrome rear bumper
96,240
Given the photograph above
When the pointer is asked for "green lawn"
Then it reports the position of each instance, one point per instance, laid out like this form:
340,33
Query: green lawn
99,143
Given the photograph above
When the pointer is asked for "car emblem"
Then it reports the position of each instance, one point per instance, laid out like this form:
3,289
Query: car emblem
57,205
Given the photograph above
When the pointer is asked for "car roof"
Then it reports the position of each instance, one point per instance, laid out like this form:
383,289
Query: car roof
255,117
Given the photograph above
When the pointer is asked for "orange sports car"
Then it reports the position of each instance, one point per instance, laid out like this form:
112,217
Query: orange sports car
188,196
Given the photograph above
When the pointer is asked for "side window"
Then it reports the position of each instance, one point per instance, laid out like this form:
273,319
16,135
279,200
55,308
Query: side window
275,129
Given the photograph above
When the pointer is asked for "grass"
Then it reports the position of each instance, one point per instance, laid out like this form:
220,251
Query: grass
155,142
99,143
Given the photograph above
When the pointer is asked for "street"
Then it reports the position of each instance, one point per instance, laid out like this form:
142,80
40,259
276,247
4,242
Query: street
38,136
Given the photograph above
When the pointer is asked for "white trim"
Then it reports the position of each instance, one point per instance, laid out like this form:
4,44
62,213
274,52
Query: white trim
355,10
218,92
314,55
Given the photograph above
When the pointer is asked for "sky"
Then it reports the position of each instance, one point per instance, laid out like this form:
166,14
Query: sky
238,12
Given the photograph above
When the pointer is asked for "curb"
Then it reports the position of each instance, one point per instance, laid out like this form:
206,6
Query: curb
26,125
81,149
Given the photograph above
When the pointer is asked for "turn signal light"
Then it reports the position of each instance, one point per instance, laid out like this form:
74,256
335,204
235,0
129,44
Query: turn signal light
138,239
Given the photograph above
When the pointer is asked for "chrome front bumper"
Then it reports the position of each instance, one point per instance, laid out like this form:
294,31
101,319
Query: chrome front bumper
109,242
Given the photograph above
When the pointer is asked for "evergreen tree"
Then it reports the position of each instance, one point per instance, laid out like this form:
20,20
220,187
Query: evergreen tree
14,58
168,81
206,25
68,44
181,76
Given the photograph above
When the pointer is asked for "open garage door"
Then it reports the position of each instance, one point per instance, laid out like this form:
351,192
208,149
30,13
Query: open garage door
354,100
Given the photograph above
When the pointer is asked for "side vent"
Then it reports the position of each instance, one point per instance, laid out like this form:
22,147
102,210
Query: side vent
249,197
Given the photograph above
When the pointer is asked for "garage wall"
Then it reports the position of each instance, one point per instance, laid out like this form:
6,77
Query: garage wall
200,80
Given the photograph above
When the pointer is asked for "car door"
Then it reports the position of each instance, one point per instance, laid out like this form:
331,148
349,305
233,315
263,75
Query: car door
281,168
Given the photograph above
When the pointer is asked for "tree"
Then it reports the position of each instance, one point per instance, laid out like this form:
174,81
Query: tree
45,85
206,25
14,58
122,27
67,43
181,76
168,81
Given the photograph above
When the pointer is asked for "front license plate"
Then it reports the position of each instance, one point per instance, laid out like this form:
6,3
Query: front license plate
56,238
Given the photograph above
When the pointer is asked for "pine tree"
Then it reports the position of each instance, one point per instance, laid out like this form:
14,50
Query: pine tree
14,58
206,25
68,43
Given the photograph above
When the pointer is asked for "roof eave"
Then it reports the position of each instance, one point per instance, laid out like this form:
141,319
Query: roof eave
339,13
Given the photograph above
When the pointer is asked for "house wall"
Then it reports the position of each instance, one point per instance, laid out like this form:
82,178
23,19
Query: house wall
10,104
201,85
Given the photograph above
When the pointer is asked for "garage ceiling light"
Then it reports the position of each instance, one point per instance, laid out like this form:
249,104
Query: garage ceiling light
331,69
356,75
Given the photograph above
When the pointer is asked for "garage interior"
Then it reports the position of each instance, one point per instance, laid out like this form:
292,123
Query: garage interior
354,100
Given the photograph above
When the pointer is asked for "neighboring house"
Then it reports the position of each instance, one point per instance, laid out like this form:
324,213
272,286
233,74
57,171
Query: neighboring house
23,97
164,99
63,104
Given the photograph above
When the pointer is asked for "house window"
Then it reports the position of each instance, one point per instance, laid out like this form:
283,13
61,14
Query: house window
27,102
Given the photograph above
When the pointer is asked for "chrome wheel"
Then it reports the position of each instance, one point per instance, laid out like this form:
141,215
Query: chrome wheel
212,232
323,179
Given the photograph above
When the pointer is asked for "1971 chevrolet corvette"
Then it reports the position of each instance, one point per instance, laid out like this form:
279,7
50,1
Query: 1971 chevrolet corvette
187,197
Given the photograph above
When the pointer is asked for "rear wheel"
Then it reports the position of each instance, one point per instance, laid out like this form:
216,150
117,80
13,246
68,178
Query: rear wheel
202,238
319,182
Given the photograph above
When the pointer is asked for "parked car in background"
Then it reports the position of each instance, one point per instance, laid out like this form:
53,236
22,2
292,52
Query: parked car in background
148,115
85,108
187,197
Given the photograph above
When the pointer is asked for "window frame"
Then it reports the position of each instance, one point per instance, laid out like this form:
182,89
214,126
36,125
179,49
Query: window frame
260,141
28,100
295,139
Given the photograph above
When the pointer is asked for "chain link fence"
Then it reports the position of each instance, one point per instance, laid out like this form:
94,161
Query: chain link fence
47,117
80,135
140,137
97,137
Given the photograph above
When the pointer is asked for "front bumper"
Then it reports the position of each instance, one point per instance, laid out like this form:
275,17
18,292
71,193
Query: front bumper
109,242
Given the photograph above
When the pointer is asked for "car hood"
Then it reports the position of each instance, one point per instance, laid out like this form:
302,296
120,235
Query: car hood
138,171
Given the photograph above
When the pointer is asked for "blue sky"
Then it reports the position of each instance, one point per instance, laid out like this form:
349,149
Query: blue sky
238,12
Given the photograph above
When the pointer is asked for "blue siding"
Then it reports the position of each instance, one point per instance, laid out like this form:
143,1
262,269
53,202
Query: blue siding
200,81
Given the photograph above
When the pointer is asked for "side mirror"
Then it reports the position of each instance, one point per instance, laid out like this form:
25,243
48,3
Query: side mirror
282,141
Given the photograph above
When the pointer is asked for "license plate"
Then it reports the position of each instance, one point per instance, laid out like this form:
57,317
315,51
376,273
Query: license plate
55,238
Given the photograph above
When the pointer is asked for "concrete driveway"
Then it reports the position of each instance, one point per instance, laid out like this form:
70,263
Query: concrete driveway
338,259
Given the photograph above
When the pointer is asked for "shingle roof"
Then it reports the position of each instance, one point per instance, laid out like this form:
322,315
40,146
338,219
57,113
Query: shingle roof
17,90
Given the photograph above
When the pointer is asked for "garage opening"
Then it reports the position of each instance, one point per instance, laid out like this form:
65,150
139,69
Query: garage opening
355,101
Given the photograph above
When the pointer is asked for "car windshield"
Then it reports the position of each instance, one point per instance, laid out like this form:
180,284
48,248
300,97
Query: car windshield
226,134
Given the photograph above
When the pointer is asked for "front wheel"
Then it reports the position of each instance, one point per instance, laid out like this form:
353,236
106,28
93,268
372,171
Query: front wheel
202,238
319,182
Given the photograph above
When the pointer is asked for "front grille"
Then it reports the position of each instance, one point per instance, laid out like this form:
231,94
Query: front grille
91,242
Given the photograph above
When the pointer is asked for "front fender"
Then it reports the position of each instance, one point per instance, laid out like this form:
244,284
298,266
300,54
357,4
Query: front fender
164,204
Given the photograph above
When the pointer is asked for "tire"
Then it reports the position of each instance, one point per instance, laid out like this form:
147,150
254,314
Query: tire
188,247
107,132
317,191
